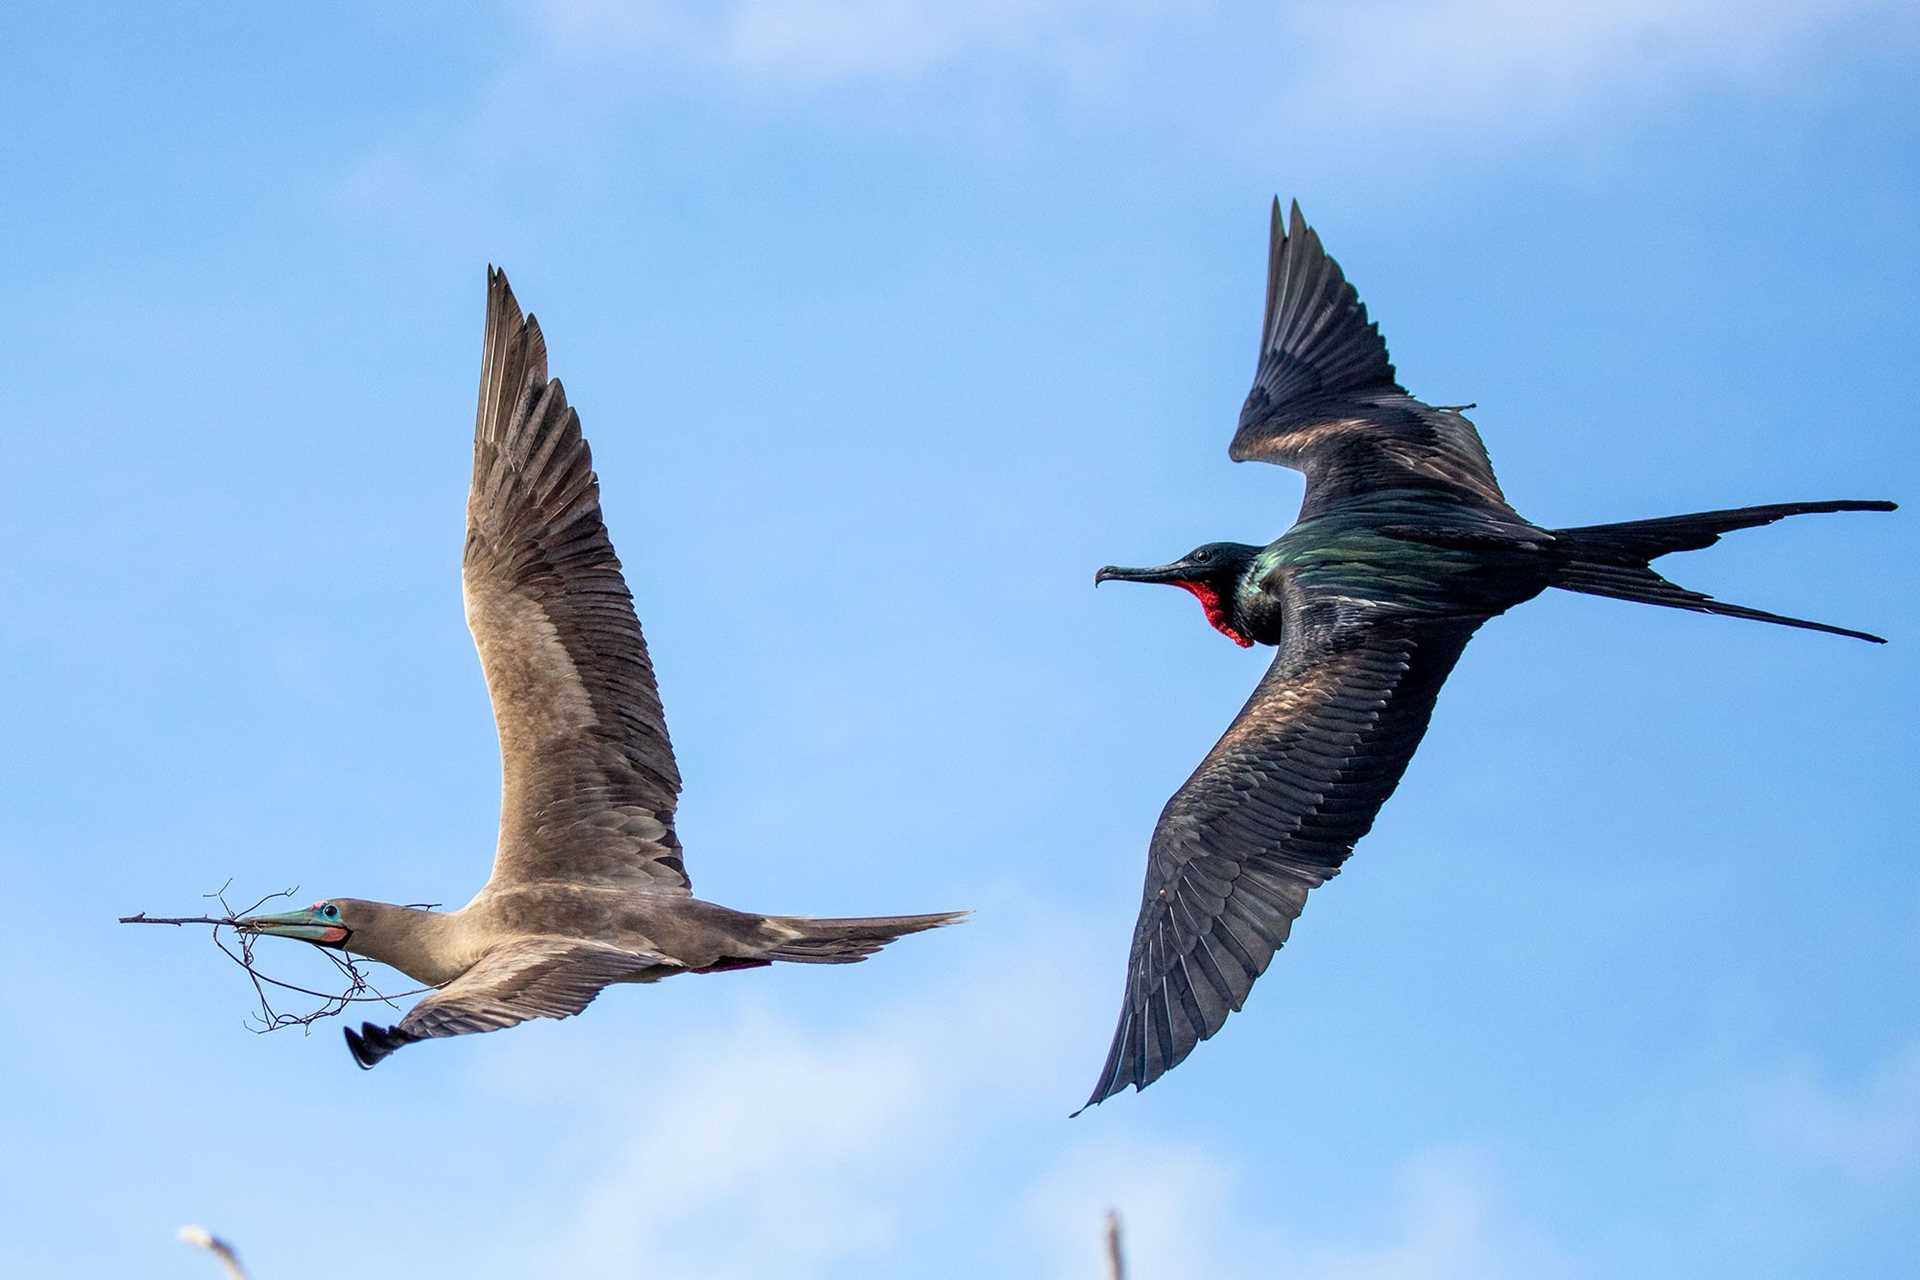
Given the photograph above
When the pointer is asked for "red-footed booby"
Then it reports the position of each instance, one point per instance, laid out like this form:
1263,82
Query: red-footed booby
588,887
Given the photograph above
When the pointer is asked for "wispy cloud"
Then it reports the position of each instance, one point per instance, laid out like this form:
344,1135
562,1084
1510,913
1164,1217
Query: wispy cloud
822,1146
844,1150
1452,1220
1334,79
1869,1130
1446,1216
1239,70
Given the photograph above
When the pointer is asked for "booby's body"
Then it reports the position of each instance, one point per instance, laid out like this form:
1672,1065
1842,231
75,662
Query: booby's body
588,887
436,947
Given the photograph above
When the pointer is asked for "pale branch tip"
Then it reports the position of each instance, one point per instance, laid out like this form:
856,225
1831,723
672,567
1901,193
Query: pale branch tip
201,1238
1116,1257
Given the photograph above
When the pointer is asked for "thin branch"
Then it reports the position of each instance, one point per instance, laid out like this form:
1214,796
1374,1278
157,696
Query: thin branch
359,988
1116,1261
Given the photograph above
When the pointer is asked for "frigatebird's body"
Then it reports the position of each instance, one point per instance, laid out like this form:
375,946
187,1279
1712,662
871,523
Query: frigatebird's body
1404,546
588,886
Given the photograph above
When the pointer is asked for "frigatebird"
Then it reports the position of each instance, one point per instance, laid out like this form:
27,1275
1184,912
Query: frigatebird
588,885
1404,545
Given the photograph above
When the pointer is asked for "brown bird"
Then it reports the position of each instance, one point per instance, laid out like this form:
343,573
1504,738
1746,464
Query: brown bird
588,886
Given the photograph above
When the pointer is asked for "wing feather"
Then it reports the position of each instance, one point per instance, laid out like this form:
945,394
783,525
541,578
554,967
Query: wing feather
529,978
1271,813
1325,399
588,779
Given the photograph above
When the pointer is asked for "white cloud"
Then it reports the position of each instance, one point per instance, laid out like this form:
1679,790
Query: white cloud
822,1147
816,45
1869,1131
842,1150
1180,1209
1185,1213
1374,82
1452,1222
1244,71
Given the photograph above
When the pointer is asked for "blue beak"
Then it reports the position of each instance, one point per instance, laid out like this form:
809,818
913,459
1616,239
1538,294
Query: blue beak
306,925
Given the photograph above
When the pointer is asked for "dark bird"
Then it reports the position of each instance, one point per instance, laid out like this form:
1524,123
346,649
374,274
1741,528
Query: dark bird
1403,547
588,886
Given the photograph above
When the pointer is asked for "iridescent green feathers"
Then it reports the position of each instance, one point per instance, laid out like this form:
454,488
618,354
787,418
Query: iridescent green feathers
1404,546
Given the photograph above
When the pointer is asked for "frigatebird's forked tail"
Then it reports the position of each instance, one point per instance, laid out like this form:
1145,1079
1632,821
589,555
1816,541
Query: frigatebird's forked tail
1404,545
1614,559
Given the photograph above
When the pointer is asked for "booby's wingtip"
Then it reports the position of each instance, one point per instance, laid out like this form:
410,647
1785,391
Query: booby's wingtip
357,1045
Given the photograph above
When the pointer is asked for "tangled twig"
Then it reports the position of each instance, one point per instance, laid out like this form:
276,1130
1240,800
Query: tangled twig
359,988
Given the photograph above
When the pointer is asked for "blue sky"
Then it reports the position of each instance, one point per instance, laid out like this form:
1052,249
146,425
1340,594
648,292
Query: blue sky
890,322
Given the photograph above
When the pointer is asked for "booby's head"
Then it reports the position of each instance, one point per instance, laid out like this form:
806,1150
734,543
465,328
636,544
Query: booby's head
1213,574
412,940
327,923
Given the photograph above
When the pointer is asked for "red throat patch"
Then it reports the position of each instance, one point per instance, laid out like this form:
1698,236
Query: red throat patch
1217,615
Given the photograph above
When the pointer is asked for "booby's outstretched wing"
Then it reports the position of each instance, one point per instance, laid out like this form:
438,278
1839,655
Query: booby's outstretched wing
1271,813
1324,398
532,978
588,783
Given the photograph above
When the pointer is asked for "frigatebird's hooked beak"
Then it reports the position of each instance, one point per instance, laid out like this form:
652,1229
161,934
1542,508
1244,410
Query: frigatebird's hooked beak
1208,572
309,924
1178,571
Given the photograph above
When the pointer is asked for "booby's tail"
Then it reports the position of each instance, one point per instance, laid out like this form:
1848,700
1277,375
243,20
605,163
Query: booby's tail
1613,559
807,940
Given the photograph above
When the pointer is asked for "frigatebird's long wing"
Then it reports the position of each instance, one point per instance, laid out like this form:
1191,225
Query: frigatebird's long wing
532,978
1324,398
1271,813
588,781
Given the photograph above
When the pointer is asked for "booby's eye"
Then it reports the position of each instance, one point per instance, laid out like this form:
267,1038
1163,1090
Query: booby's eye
330,911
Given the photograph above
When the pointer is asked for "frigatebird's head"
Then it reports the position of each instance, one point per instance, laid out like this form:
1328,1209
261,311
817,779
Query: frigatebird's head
327,923
1213,573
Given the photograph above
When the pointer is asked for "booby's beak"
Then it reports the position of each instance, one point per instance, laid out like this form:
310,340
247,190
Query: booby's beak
1178,571
305,925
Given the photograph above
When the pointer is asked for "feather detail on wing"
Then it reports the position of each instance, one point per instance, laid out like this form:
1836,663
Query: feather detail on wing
1270,814
589,784
1325,400
530,978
